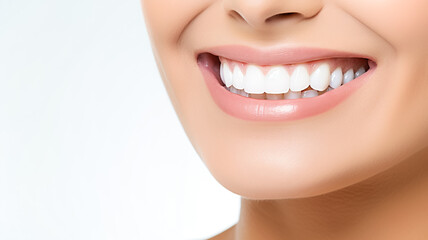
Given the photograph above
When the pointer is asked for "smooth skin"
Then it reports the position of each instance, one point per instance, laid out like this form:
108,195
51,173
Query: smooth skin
357,171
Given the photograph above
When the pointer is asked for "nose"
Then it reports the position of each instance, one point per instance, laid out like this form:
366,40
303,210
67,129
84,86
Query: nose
260,13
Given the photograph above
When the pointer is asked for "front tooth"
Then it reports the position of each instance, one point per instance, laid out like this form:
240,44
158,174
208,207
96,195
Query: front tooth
349,76
320,78
360,72
309,94
238,78
292,95
299,80
336,78
254,80
277,81
227,75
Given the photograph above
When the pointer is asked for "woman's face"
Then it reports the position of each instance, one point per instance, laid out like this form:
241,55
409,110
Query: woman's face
279,50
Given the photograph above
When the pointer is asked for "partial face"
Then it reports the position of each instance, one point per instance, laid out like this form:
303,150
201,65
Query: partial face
295,98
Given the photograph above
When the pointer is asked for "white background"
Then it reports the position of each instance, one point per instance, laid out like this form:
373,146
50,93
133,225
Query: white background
90,146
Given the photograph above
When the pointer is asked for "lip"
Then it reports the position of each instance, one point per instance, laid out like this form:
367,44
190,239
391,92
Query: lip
276,110
278,55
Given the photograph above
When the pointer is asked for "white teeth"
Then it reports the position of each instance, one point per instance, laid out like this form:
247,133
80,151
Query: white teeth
292,95
349,76
238,78
299,80
227,75
278,84
360,72
221,73
277,81
320,78
254,80
336,78
309,94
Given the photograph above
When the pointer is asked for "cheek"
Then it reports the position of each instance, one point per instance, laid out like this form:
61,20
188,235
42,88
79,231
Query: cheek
166,19
272,161
401,23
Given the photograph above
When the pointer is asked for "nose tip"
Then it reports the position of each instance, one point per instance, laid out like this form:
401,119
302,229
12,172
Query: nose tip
260,13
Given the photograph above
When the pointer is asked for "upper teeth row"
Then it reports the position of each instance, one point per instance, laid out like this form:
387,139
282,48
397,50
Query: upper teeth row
277,80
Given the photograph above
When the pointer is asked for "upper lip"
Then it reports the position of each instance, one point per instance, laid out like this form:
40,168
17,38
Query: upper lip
278,55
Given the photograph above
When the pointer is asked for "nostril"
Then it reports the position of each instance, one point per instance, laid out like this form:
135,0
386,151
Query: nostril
277,17
282,16
235,15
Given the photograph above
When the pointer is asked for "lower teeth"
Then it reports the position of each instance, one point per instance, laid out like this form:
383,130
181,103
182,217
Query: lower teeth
307,93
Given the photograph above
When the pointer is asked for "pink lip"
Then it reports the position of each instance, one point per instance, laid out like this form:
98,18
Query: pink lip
276,110
277,55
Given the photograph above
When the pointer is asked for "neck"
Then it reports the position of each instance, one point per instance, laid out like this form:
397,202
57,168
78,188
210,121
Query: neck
391,205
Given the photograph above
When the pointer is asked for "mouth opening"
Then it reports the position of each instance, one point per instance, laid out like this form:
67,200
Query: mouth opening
287,81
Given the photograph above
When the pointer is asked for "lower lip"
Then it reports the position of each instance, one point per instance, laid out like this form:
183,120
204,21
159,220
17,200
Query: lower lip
278,110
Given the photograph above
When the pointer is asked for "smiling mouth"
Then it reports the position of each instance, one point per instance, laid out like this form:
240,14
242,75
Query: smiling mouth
286,81
281,84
